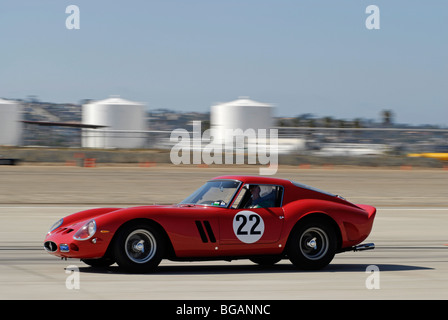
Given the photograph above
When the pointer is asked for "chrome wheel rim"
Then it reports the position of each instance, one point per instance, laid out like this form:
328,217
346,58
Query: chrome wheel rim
314,243
140,246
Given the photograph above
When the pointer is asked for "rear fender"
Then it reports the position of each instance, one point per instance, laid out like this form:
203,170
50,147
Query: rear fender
338,214
310,216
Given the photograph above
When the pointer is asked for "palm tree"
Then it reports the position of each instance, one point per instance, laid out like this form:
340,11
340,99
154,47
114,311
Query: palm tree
387,116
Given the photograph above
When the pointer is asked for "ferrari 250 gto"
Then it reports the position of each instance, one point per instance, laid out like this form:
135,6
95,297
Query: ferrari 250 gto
229,217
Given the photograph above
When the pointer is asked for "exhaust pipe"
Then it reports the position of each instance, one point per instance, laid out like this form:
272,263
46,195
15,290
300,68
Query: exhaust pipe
363,247
359,247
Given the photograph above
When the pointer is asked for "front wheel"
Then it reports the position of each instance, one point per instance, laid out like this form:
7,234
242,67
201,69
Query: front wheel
312,245
266,261
99,263
139,248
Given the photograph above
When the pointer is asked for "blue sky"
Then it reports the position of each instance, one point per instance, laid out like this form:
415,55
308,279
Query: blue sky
305,56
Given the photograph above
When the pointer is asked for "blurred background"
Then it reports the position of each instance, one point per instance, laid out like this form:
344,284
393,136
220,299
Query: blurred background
106,84
115,130
128,75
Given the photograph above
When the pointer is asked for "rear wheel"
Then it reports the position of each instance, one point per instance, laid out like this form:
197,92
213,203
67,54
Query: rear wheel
139,248
312,245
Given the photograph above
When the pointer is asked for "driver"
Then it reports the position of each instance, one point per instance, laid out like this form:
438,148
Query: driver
258,201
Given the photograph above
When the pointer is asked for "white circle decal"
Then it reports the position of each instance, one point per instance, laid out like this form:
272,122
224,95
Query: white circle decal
248,226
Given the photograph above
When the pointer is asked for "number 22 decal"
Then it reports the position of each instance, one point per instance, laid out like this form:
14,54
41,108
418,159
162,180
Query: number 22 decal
248,226
243,218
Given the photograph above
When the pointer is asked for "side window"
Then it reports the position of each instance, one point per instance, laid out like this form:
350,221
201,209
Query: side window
258,196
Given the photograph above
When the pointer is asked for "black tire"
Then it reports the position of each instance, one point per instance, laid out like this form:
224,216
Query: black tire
265,261
312,245
139,248
99,263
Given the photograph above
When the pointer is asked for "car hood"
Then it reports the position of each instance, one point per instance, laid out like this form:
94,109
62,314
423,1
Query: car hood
110,214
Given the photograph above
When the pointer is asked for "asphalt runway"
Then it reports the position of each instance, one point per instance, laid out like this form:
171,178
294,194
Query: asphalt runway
410,232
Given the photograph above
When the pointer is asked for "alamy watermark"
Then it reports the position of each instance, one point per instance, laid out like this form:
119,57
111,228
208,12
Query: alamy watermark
229,146
73,279
373,279
73,20
373,20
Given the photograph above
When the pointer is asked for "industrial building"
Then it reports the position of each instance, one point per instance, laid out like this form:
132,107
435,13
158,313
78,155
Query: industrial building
123,121
116,123
243,114
10,122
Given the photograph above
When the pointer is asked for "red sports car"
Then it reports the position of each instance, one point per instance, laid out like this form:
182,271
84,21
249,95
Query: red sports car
229,217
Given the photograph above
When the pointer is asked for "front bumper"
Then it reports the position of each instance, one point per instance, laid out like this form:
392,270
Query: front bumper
60,243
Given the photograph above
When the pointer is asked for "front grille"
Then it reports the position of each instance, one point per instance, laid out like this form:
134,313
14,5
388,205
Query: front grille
50,246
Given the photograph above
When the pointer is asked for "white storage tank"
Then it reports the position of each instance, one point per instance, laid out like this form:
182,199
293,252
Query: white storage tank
124,122
10,122
243,114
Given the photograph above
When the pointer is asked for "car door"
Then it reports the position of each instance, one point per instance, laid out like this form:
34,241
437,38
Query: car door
246,225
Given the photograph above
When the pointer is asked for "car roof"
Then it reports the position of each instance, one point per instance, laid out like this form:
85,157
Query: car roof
268,180
255,179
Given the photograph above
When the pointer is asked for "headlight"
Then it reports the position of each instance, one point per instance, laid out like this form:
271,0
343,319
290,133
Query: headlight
56,225
86,231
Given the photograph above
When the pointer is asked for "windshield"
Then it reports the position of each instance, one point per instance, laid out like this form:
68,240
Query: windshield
214,193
